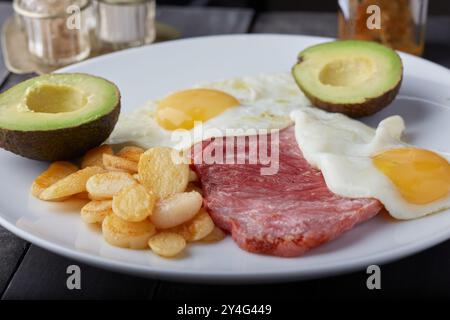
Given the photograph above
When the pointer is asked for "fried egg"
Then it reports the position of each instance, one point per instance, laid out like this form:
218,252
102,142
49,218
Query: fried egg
355,160
361,162
262,102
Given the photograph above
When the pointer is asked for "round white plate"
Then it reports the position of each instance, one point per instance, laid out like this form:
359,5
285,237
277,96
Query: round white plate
153,71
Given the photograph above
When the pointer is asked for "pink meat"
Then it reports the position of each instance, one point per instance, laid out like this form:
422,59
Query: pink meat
284,214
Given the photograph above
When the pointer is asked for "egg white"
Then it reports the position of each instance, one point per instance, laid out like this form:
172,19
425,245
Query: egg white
342,148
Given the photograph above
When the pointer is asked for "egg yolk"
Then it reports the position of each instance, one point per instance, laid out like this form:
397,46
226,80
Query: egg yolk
181,109
421,176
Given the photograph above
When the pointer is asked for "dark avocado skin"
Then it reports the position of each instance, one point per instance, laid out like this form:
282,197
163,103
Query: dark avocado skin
60,144
353,110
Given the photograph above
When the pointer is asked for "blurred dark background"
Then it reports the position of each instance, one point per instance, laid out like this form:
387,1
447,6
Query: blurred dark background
436,7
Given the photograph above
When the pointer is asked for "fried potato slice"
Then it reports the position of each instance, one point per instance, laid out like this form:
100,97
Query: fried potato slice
133,203
72,184
55,172
94,157
95,211
105,185
216,235
161,175
131,153
177,209
197,228
115,163
167,244
125,234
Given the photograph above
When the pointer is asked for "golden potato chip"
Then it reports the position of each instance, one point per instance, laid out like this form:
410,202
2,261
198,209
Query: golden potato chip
94,157
197,228
160,174
96,211
216,235
133,203
176,209
131,153
115,163
72,184
105,185
125,234
167,244
55,172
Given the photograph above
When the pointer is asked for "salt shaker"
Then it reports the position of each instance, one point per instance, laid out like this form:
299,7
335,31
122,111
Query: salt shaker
57,30
125,23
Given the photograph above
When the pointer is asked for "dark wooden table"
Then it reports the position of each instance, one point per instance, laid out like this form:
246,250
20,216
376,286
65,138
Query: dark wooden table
28,272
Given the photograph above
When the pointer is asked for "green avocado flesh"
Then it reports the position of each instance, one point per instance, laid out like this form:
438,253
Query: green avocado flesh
56,101
58,116
350,76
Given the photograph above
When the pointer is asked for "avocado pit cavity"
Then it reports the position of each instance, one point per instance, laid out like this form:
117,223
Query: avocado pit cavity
52,98
347,72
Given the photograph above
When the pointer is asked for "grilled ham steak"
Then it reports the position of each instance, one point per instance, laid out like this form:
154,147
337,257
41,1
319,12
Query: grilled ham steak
285,214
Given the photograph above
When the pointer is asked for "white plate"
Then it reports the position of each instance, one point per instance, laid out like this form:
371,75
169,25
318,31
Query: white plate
155,70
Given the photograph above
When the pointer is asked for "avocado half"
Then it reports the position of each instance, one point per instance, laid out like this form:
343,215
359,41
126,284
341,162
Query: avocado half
357,78
58,116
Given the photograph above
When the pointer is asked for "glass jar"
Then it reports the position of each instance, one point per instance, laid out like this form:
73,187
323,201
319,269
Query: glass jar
399,24
57,31
125,23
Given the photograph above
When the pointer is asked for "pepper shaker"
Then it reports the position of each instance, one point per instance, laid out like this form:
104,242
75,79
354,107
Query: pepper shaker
125,23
